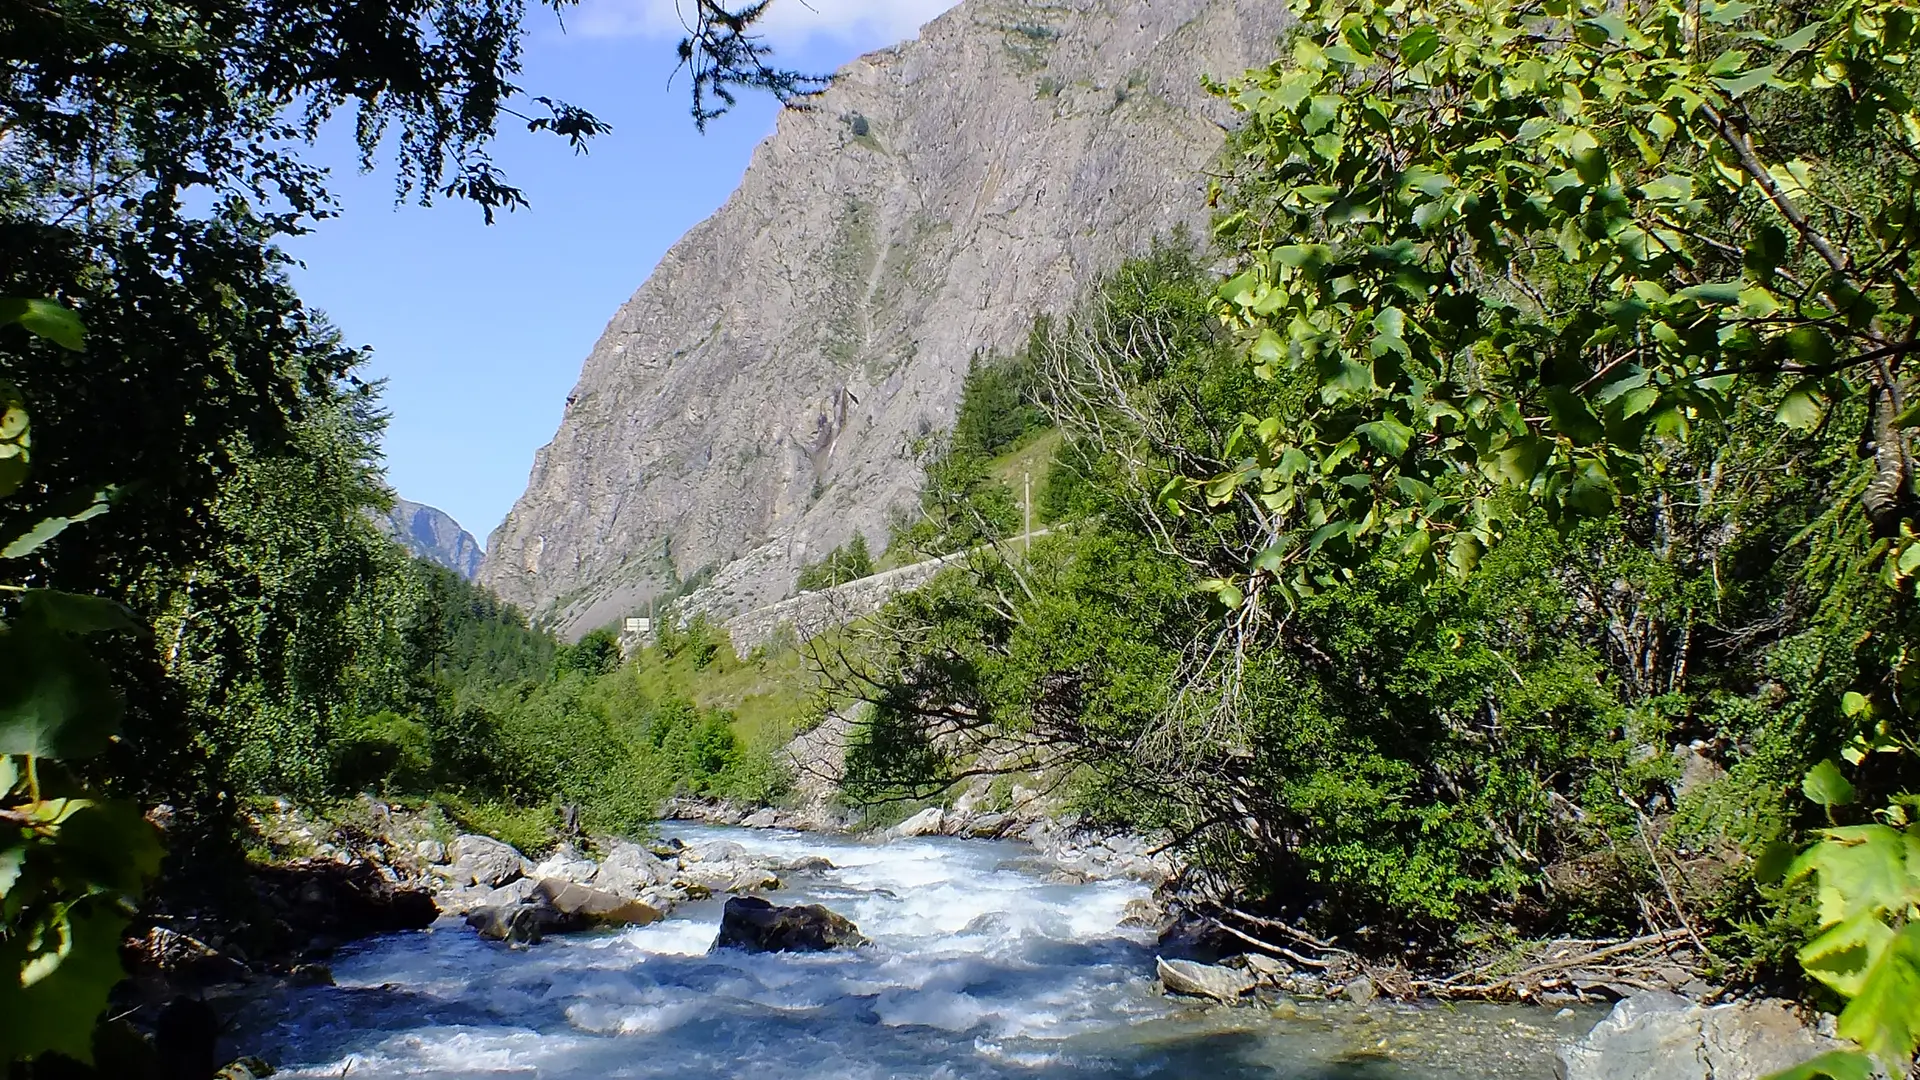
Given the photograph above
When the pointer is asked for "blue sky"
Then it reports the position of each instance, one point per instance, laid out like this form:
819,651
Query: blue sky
480,331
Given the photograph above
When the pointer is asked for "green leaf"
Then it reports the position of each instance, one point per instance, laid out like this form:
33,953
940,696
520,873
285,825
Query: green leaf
1744,84
1800,410
1861,868
1853,703
1388,435
1463,555
1770,866
1884,1016
1572,418
15,439
56,699
1419,44
1519,462
58,1013
1843,957
1832,1065
46,319
1826,785
1720,293
75,614
38,536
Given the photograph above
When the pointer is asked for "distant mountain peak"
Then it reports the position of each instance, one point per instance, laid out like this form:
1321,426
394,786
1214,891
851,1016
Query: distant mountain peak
433,535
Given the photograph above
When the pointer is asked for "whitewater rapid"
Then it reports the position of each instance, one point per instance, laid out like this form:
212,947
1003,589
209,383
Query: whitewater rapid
980,968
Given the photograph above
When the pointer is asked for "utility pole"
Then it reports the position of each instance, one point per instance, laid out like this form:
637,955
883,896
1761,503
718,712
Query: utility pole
1027,505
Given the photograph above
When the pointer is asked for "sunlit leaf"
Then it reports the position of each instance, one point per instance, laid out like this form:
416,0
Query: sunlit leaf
1826,785
55,322
56,699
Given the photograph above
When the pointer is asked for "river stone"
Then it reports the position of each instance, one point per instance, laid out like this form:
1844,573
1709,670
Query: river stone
808,864
987,826
762,819
714,851
517,925
566,865
1203,980
630,870
431,852
482,860
576,907
755,925
1266,968
752,880
1662,1036
924,823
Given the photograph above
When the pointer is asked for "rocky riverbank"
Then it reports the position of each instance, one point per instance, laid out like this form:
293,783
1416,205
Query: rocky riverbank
408,873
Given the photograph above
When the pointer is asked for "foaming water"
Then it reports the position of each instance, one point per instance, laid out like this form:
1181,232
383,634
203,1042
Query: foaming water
979,969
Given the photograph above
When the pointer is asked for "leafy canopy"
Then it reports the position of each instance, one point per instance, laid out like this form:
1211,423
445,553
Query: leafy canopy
1516,245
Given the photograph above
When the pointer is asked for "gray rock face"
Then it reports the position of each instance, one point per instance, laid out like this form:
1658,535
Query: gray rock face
755,925
1203,980
748,409
1667,1037
432,535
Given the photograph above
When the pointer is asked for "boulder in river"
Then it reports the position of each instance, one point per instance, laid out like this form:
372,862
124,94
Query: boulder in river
924,823
566,864
714,851
518,925
482,860
1661,1036
567,905
630,870
1203,980
755,925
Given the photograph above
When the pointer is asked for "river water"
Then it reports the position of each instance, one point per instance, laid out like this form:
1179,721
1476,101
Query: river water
980,969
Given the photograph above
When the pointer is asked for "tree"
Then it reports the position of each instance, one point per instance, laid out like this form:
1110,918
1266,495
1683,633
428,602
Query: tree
1515,247
1521,253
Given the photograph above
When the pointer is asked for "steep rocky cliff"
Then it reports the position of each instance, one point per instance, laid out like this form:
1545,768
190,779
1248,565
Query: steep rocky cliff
754,404
434,536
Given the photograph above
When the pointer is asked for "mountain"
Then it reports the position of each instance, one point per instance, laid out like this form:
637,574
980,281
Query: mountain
434,536
756,402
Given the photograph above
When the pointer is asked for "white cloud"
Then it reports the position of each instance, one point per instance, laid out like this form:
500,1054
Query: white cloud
788,23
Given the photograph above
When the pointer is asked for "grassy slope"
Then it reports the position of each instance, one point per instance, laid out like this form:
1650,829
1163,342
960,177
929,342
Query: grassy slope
1032,454
770,694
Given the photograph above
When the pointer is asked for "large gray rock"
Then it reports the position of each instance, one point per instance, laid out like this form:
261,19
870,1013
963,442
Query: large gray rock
482,860
745,409
755,925
567,905
924,823
1203,980
1667,1037
518,925
630,870
566,864
714,851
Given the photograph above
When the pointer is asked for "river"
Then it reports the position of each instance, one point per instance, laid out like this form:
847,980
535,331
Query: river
980,968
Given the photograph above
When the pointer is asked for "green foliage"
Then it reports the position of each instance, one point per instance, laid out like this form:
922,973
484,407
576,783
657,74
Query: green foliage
596,654
849,562
1000,400
1868,892
72,865
1508,257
